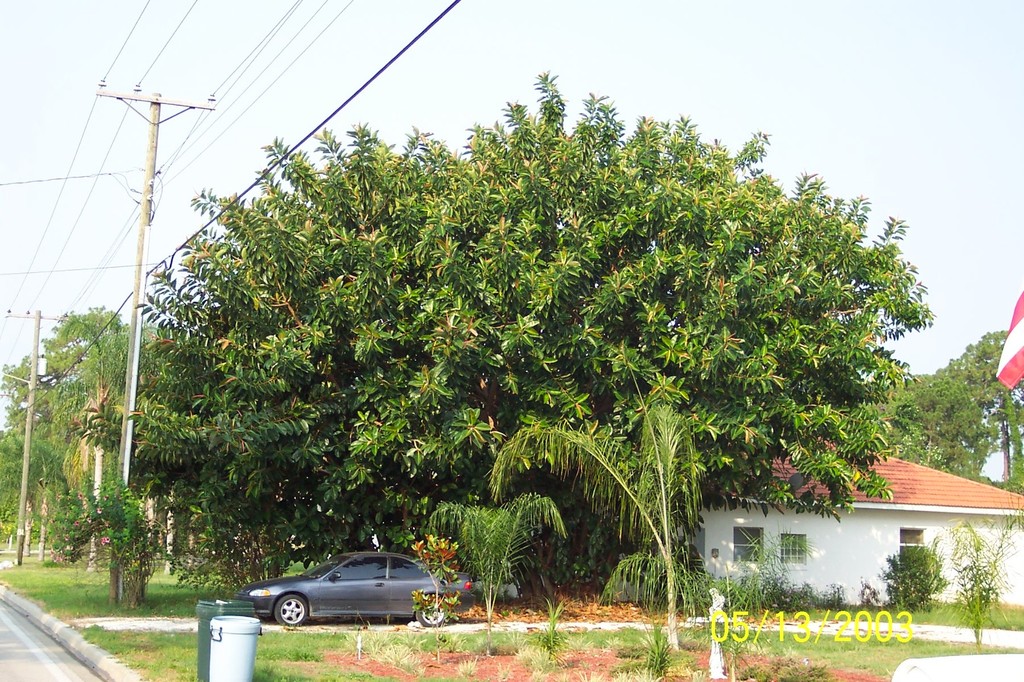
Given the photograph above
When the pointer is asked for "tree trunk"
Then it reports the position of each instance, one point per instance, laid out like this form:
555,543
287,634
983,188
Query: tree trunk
169,541
114,594
28,528
1013,436
1004,440
97,482
44,512
671,623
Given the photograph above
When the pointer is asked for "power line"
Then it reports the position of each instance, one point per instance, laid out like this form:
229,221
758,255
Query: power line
266,172
251,59
173,33
165,263
223,112
67,177
93,268
49,223
81,212
126,39
258,50
94,279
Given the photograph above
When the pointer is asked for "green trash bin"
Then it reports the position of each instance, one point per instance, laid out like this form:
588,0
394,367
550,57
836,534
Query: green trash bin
207,611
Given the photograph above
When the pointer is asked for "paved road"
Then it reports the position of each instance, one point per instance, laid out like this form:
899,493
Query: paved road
27,654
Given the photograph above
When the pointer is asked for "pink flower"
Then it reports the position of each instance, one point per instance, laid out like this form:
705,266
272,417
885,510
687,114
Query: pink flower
104,540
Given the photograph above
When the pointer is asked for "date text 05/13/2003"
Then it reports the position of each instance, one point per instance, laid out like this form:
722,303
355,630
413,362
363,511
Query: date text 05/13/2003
844,626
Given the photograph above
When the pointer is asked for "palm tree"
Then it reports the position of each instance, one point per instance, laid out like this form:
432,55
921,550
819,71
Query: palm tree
495,540
653,488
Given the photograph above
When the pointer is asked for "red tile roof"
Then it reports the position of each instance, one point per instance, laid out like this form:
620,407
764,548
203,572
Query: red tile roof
916,484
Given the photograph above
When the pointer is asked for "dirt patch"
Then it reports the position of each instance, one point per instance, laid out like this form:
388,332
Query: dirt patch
501,668
579,665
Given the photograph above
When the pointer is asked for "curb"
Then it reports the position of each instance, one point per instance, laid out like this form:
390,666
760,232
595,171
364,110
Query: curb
101,662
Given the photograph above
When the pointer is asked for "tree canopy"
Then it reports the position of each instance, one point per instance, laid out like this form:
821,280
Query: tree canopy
957,417
346,350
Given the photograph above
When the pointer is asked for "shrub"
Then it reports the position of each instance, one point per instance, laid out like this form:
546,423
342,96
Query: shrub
658,656
787,670
979,565
913,578
833,597
868,595
121,526
551,640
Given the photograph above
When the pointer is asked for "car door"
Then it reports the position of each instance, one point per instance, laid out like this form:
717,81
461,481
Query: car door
405,576
359,586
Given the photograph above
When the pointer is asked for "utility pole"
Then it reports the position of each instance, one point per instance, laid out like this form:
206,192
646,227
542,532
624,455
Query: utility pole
29,419
134,326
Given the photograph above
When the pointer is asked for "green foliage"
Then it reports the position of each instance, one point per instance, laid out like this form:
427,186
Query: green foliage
954,419
913,578
550,639
118,520
495,541
787,670
978,562
223,555
940,425
341,353
658,653
72,524
77,406
438,556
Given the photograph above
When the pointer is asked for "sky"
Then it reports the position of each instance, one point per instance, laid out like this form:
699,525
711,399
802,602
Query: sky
915,105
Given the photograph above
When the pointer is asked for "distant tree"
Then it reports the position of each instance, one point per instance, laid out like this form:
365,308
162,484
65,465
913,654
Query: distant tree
939,424
956,418
348,349
1002,407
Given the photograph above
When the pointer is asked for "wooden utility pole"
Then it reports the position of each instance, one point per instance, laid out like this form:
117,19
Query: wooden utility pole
30,414
131,381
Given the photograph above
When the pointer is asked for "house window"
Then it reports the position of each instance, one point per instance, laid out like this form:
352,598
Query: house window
746,542
911,537
793,548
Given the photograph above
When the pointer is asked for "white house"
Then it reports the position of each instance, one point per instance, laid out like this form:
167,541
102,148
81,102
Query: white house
925,504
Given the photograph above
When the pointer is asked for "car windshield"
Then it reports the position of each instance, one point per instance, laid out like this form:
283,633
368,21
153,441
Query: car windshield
323,569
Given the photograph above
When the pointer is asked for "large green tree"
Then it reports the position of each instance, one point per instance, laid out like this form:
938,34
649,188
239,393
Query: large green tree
347,349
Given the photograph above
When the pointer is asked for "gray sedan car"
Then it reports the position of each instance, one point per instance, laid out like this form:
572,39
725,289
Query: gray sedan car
360,584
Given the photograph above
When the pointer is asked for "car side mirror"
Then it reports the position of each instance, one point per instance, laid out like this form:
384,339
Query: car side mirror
333,577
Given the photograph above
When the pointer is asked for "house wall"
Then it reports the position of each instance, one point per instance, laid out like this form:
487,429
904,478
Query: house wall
851,549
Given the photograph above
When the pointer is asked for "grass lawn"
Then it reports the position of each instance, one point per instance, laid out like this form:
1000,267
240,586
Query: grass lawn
294,656
71,592
1004,616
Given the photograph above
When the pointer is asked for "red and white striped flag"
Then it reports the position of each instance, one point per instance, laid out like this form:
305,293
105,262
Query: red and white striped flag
1011,364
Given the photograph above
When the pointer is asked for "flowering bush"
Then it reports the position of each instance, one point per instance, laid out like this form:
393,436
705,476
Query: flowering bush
118,520
71,526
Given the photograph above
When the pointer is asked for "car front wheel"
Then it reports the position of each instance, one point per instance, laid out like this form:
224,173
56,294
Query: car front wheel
291,610
433,618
